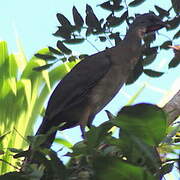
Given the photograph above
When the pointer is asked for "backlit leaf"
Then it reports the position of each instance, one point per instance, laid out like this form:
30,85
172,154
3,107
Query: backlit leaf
63,48
152,73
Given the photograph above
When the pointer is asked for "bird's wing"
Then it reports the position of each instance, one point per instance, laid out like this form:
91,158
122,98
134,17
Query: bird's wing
76,84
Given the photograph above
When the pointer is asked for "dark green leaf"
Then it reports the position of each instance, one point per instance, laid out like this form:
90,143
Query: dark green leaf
174,62
78,20
63,48
167,168
112,5
96,134
150,50
135,3
91,19
176,6
41,68
148,59
74,41
14,176
55,51
165,45
64,31
116,37
137,71
149,38
152,73
63,20
113,21
174,23
72,58
45,57
162,12
58,169
14,150
102,38
177,35
82,56
107,167
144,121
123,17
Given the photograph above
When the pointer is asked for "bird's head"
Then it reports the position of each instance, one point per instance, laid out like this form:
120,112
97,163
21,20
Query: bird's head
148,22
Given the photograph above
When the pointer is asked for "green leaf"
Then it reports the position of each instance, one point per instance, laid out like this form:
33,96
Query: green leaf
144,121
177,35
124,17
176,6
174,23
161,11
44,67
63,48
63,142
55,51
152,73
96,134
45,57
63,20
15,150
91,19
148,59
78,20
165,45
107,168
102,38
135,3
174,62
63,32
111,5
150,50
72,58
73,41
149,38
165,169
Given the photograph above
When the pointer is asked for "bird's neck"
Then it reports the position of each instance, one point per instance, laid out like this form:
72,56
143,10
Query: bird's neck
134,36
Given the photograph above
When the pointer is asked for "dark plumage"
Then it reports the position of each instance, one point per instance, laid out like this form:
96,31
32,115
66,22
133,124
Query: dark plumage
93,82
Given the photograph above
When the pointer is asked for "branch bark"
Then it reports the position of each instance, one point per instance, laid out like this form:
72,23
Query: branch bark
173,108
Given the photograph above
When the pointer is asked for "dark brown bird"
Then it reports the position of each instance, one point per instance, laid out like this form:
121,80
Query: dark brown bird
94,81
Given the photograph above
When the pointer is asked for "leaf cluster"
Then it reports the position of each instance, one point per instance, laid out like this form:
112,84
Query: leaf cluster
133,152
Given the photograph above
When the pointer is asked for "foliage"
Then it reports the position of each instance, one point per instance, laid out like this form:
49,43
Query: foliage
105,30
133,153
138,151
23,93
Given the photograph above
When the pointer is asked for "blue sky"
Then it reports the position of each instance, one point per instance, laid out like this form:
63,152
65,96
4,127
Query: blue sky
35,21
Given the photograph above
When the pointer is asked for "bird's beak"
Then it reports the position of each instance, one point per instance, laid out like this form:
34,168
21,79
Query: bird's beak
158,25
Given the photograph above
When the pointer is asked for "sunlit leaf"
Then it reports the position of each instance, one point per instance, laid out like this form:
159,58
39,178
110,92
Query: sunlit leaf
63,142
139,120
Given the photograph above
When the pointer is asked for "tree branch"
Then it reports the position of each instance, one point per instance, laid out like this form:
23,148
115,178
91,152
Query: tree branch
173,108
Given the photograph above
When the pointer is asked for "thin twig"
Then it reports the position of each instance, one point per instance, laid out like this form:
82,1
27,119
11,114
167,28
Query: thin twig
92,45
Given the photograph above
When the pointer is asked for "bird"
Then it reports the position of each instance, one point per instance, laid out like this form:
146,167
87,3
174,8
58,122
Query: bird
95,80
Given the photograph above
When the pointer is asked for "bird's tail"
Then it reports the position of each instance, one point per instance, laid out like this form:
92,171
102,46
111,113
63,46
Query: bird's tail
45,129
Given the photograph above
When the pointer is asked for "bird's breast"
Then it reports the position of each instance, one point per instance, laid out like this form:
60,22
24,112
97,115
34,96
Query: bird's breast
107,88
